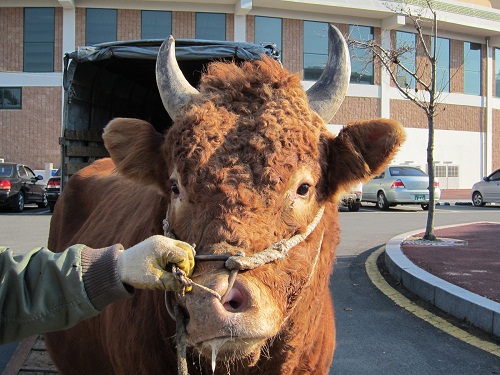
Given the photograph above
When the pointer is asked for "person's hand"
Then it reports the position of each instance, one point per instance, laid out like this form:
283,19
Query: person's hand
148,264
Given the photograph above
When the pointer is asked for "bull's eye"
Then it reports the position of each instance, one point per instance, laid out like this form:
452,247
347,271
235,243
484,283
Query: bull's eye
303,189
174,188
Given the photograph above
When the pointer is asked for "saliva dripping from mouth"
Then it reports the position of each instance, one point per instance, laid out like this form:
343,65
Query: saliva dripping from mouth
215,346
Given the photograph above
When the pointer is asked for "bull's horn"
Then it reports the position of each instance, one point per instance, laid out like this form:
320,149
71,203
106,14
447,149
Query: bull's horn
327,94
174,88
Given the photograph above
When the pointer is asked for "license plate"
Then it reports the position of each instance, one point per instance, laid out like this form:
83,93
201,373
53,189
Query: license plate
420,198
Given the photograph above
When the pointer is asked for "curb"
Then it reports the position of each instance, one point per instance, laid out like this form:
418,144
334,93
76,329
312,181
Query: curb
457,203
477,310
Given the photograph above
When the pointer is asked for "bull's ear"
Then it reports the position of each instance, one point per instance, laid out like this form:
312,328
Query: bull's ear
361,151
136,149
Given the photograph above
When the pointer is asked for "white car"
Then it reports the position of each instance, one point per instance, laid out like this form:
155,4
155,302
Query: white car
400,184
352,200
487,190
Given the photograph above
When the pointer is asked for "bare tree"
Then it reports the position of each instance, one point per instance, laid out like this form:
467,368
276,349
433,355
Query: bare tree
415,81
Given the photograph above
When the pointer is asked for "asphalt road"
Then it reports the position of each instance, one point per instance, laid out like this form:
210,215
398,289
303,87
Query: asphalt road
374,336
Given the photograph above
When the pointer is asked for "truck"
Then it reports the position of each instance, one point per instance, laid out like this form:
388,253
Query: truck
118,79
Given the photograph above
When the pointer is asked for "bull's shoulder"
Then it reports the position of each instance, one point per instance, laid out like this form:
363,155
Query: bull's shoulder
101,167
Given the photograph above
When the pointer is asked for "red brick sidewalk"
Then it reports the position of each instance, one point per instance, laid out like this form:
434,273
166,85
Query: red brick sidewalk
474,266
456,194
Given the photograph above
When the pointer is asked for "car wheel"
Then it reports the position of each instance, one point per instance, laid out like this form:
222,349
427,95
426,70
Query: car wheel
382,201
353,206
44,203
18,202
477,199
425,207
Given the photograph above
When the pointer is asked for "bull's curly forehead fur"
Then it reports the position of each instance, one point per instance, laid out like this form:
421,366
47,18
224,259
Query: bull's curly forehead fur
251,125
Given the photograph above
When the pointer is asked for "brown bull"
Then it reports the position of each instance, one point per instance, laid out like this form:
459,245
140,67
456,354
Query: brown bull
247,163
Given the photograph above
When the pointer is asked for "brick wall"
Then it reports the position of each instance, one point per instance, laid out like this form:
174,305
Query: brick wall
293,50
250,33
354,108
456,66
80,18
229,26
11,39
183,25
31,135
58,52
449,117
128,24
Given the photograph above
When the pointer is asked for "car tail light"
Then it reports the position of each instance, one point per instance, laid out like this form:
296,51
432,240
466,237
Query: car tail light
5,185
397,184
54,184
436,184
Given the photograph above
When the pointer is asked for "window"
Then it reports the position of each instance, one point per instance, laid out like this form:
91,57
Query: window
21,171
406,171
100,26
6,170
361,58
472,68
156,24
268,30
443,64
315,49
29,172
211,26
452,170
495,176
497,72
38,39
440,170
10,97
405,42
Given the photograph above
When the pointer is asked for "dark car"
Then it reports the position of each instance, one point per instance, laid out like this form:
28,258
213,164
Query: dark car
54,189
19,185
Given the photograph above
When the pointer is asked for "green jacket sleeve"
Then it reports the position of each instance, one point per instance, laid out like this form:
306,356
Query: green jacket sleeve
44,291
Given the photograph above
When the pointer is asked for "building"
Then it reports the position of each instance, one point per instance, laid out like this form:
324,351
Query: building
34,36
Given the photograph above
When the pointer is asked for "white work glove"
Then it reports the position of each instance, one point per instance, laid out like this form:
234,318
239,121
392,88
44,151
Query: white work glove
148,264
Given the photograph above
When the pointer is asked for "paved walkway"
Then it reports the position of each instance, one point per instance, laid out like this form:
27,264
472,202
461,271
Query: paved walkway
460,274
466,255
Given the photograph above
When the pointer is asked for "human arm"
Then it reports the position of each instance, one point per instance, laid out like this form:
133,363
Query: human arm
44,291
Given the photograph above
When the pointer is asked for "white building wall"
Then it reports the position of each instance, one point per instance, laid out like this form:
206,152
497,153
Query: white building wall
457,148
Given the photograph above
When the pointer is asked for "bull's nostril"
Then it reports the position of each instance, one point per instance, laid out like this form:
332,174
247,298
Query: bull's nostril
234,300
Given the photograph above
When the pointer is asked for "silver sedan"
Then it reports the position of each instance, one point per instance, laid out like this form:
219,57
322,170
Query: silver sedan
400,184
487,190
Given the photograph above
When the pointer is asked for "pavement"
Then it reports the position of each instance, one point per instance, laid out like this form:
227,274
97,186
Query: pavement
459,274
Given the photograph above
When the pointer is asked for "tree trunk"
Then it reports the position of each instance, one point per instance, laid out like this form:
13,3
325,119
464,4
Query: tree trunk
429,229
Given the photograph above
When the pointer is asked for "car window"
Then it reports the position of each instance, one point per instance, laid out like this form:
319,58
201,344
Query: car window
406,171
379,176
6,170
495,176
30,173
21,171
